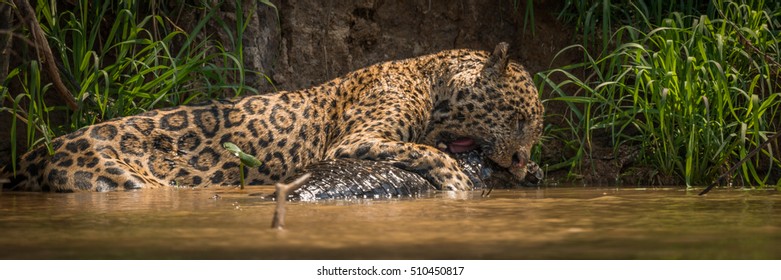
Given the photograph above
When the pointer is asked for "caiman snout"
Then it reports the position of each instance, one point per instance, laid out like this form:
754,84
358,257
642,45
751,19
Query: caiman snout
519,161
518,165
518,169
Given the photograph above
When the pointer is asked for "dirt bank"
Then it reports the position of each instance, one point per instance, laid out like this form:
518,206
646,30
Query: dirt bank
320,40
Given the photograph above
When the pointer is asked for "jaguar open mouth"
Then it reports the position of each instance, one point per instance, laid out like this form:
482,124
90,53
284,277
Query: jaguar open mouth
473,155
461,145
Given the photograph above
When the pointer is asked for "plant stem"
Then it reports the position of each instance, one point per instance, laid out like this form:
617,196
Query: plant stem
241,174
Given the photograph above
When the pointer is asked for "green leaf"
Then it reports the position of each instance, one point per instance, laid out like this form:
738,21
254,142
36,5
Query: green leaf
245,158
232,148
249,160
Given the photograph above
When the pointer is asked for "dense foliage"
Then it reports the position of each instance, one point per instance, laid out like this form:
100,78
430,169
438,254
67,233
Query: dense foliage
693,89
121,58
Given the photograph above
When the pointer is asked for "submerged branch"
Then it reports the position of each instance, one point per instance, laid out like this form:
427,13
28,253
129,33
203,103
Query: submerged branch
278,222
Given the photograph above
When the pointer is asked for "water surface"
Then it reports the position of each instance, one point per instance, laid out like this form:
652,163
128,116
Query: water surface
545,223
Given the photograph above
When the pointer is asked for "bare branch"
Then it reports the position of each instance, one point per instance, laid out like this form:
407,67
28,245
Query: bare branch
27,15
278,222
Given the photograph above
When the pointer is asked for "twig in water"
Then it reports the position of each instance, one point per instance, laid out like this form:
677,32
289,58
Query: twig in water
278,222
486,194
743,160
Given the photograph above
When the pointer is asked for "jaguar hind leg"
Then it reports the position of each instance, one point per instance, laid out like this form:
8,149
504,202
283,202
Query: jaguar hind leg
83,168
103,175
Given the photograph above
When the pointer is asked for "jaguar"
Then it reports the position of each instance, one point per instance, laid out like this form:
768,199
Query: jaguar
412,114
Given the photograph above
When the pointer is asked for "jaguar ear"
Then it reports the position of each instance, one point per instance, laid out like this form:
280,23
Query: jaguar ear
496,64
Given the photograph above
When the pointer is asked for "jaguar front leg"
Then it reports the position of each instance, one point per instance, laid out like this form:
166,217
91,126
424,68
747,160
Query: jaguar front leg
436,166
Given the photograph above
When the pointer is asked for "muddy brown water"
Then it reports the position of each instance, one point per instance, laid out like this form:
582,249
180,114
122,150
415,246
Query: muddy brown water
544,223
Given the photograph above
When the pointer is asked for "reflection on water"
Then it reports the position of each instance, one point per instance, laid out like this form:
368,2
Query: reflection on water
547,223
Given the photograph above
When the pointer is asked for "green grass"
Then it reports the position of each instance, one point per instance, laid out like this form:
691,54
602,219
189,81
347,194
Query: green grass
595,20
121,58
693,92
